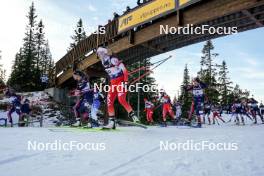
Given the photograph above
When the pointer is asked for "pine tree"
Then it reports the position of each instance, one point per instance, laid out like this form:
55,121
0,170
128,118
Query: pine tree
208,72
185,96
2,73
224,84
29,72
33,59
79,34
40,40
237,92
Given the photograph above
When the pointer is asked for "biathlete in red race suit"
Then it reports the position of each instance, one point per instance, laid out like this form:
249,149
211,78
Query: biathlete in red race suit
149,107
118,74
166,106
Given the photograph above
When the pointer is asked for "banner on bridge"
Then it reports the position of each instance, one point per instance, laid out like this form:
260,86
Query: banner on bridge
146,13
150,11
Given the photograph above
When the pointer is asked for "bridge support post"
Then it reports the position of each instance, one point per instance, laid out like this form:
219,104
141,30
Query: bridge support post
131,37
179,18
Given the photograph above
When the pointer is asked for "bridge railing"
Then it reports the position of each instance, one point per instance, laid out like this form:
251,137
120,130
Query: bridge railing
111,34
86,46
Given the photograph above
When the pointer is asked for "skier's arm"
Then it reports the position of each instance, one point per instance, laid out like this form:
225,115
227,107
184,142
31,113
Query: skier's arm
188,88
203,85
119,64
125,72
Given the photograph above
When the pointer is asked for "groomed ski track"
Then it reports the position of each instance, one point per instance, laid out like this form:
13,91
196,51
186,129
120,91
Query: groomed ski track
134,152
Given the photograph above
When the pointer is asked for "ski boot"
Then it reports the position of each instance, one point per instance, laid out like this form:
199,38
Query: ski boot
11,122
111,124
199,125
243,122
188,123
164,124
77,123
133,117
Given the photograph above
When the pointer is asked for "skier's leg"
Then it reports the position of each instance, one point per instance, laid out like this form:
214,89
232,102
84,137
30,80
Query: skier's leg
75,109
260,115
122,100
192,109
111,96
147,115
219,117
237,118
9,115
171,113
254,116
164,114
151,116
204,119
209,120
214,118
242,119
199,114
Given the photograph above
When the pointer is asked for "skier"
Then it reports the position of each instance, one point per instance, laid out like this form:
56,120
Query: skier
85,97
255,111
197,89
207,111
25,112
261,107
118,78
166,106
15,101
149,106
238,111
246,109
178,109
216,114
98,97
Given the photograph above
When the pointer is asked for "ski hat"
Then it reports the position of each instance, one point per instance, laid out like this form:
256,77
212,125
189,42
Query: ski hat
103,51
162,91
79,73
197,79
26,101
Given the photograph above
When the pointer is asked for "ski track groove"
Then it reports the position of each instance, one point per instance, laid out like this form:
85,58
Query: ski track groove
17,158
131,160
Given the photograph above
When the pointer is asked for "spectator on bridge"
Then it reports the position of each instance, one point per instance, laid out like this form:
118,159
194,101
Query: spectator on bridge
128,9
139,3
116,15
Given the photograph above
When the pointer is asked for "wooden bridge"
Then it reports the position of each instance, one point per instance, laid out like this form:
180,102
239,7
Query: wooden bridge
136,35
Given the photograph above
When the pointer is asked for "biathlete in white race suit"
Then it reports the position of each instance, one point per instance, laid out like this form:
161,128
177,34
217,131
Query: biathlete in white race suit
178,109
118,74
98,97
149,108
166,107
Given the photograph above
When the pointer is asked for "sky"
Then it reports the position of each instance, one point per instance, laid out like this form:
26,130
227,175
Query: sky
243,52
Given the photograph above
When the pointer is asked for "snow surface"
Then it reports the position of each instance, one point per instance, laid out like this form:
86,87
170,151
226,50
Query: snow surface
133,152
129,151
